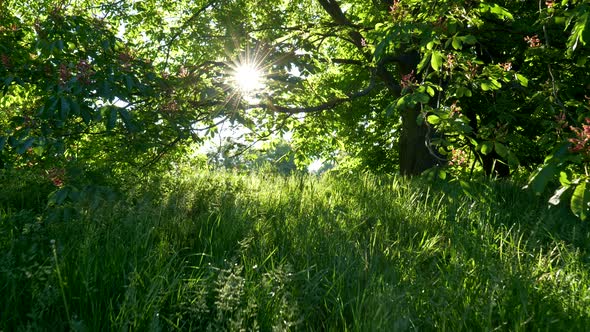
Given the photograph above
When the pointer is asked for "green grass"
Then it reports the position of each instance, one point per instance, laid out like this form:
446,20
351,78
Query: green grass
215,251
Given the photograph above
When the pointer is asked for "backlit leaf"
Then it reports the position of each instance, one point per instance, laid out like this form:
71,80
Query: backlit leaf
486,147
436,60
542,177
502,150
580,203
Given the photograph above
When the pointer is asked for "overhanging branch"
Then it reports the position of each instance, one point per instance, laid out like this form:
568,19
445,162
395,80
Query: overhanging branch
317,108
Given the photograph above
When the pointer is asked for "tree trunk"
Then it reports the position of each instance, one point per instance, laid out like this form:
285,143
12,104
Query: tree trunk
414,155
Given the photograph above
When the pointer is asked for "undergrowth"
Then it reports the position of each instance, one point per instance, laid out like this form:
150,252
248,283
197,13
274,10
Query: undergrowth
214,251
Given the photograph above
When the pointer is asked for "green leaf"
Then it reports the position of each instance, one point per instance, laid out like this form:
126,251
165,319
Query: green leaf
129,82
579,32
421,97
512,159
111,118
522,80
456,43
486,147
86,115
498,11
544,174
469,39
433,119
424,62
24,146
564,179
38,150
430,91
127,120
419,120
64,108
382,47
502,150
436,61
58,197
463,91
580,203
501,12
490,84
390,110
3,140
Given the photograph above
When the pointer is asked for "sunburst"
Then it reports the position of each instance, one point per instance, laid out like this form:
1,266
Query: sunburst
248,73
248,78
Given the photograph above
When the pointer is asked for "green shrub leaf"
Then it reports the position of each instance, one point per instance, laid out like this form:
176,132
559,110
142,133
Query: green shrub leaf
580,203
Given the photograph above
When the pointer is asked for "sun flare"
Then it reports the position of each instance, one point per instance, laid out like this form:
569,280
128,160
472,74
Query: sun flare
248,78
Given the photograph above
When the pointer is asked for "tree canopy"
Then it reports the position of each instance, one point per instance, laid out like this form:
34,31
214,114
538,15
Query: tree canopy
396,86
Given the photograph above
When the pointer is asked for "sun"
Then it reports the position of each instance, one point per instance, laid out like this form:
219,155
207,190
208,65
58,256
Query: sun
248,78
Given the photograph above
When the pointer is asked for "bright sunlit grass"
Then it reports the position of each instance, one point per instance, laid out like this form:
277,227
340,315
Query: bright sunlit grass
215,250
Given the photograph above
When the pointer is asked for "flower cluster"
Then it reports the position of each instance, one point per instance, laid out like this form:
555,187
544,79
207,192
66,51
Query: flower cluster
451,60
455,109
581,143
126,60
408,80
533,41
170,107
549,3
458,158
507,66
395,7
64,74
5,59
395,10
56,175
561,120
472,70
84,72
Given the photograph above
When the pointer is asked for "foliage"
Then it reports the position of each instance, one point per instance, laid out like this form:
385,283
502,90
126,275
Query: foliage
100,88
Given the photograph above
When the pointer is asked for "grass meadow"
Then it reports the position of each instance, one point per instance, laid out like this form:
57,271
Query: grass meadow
220,251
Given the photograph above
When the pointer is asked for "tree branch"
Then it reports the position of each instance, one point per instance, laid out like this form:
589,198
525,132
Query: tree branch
183,27
318,108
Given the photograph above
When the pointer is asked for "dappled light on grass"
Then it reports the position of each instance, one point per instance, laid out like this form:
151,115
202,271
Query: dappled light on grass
227,251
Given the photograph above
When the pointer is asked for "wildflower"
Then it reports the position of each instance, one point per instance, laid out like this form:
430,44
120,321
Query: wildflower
533,41
549,3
